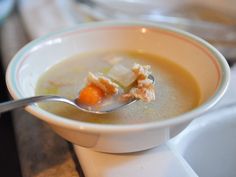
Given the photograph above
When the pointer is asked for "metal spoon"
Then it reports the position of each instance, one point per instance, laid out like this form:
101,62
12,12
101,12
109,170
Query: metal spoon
9,105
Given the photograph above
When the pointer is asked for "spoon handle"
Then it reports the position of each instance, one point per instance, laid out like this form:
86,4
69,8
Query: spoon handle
9,105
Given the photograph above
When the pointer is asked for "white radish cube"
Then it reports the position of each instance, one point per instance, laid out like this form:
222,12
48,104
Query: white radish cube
124,76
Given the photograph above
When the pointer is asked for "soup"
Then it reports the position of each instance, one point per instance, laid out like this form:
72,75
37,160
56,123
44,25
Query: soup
176,90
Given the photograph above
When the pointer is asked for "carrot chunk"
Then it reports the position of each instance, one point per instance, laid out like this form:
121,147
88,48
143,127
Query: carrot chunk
90,95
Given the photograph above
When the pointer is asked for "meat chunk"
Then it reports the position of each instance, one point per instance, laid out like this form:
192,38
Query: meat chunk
144,91
142,72
144,88
104,83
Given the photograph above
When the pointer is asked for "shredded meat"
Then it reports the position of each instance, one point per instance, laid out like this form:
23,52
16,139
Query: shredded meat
142,72
144,91
144,88
109,87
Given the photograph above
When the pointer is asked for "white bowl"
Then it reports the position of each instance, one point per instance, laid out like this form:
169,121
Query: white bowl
203,61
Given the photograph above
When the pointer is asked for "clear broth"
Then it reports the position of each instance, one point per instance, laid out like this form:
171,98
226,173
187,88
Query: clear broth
176,90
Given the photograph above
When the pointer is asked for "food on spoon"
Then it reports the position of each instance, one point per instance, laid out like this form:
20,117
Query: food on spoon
104,83
122,75
144,87
144,91
141,72
99,87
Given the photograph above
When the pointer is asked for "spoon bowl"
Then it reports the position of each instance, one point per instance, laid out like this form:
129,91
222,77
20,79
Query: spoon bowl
9,105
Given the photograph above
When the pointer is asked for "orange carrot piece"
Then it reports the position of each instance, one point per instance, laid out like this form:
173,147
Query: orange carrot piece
90,95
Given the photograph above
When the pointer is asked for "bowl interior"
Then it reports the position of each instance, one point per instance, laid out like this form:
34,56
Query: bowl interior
200,59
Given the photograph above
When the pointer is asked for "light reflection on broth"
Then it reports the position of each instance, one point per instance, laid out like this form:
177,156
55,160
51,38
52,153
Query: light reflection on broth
176,90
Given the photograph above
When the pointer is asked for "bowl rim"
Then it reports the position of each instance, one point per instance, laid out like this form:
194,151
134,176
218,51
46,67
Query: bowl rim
105,128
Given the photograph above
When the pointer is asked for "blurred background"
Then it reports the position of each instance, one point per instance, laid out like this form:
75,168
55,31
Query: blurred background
213,20
24,20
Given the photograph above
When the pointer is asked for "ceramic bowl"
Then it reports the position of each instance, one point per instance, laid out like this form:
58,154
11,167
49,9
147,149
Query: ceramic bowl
202,60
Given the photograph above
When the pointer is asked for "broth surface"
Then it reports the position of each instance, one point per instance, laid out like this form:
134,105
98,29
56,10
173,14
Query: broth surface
176,90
